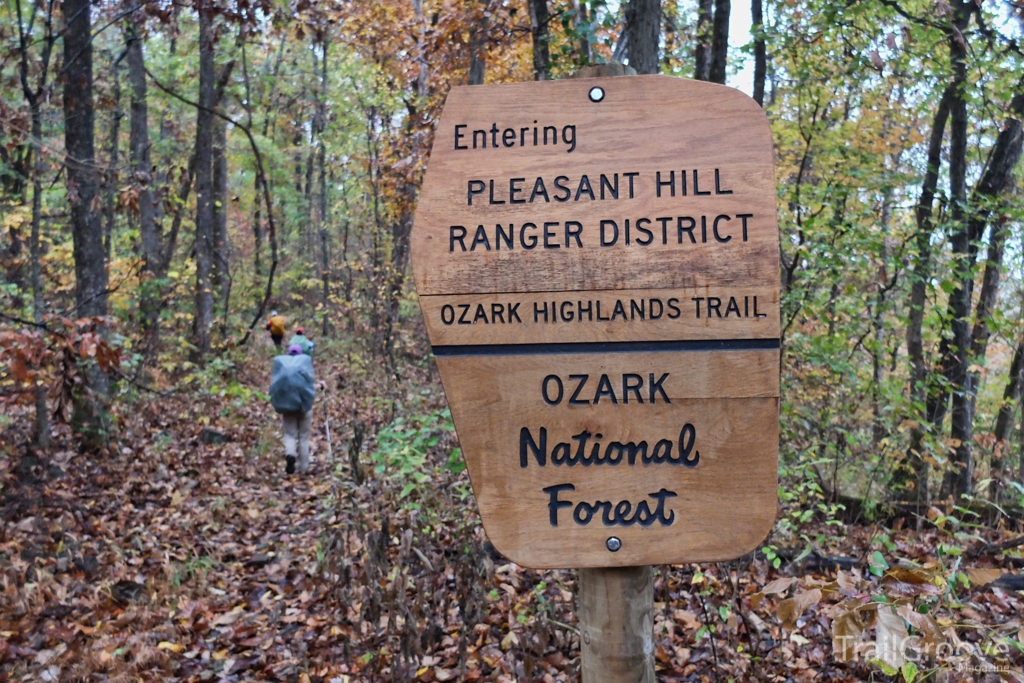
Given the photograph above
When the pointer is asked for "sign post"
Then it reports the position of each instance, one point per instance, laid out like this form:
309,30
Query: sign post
597,266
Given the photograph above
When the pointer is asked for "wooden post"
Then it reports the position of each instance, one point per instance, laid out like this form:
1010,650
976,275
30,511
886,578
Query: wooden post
616,621
616,606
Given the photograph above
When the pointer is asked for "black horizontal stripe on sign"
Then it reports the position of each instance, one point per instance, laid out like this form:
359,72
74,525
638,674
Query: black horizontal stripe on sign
606,347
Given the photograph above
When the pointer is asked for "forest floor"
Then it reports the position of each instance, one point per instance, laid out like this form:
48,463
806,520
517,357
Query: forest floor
175,559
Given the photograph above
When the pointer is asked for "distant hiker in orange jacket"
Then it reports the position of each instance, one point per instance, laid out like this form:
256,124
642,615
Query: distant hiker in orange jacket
276,327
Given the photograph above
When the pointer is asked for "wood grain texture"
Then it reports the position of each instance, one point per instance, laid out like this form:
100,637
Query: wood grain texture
687,126
645,315
723,506
616,618
644,325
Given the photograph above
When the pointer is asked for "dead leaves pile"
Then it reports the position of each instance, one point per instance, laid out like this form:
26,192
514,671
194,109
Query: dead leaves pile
178,561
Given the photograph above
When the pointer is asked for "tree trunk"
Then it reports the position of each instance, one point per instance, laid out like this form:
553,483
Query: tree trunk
204,182
42,422
221,247
643,29
325,271
760,50
957,347
583,33
479,29
1004,422
86,227
139,156
702,53
719,42
919,372
110,175
539,30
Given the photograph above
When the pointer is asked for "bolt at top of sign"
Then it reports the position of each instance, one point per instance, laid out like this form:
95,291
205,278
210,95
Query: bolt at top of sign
597,265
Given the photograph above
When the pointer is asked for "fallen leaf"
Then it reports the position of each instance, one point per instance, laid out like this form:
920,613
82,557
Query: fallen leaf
980,576
890,637
846,630
167,645
773,588
790,610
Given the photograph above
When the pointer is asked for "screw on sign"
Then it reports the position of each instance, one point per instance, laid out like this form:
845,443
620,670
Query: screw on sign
597,266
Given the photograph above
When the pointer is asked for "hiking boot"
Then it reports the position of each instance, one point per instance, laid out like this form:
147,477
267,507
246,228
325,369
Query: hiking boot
290,467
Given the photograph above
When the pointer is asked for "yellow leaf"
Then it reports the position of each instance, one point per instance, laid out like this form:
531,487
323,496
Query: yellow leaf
173,647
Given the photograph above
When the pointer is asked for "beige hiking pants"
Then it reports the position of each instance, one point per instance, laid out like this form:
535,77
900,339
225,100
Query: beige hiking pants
297,425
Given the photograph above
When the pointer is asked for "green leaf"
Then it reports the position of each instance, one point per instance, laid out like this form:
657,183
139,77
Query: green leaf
909,671
877,563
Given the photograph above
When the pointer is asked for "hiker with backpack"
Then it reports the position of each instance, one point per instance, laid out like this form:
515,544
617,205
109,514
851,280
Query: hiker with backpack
303,342
276,328
292,392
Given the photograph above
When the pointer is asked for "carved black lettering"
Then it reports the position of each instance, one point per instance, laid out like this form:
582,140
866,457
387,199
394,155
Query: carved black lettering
538,311
480,238
459,136
714,229
492,199
582,379
698,299
640,222
527,445
655,308
688,230
514,190
554,504
465,312
632,176
447,314
566,316
497,313
560,185
544,390
527,242
743,217
481,314
539,190
664,228
604,388
615,233
731,307
501,236
636,309
508,138
456,233
670,183
620,310
714,304
588,309
673,309
696,187
632,383
513,312
550,235
687,440
655,388
718,185
613,190
573,229
584,186
474,187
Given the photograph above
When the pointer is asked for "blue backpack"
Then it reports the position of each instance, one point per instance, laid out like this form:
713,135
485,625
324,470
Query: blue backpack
292,387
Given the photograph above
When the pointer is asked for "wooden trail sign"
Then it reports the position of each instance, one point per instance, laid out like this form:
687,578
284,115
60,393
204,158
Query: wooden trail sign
597,266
